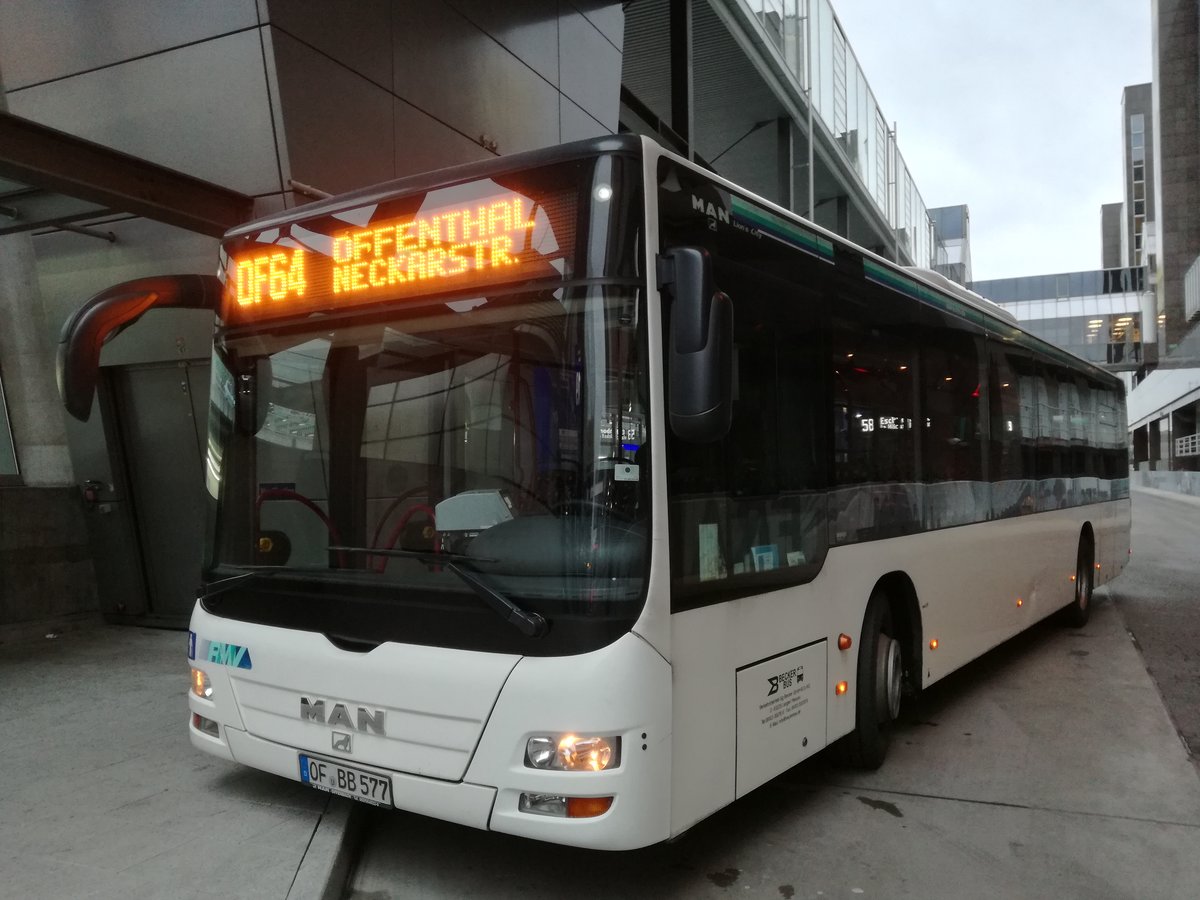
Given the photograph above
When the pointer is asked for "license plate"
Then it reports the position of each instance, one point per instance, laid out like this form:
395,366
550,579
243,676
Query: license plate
346,781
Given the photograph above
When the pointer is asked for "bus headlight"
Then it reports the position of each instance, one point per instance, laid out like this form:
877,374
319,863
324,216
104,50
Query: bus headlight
572,753
201,686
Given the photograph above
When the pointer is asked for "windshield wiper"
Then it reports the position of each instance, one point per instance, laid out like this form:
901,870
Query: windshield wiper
427,556
528,623
211,589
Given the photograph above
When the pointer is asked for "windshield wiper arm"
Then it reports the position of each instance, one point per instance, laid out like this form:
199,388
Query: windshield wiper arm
425,556
210,589
528,623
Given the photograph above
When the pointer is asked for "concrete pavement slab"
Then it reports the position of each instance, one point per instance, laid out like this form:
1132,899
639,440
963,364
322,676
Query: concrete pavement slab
1048,768
104,795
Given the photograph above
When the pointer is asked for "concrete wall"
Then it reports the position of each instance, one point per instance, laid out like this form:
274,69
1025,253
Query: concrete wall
251,95
1177,135
1178,482
45,557
1110,235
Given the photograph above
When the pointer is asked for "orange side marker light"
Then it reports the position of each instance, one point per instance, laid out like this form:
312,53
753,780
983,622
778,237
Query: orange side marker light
587,807
933,644
841,687
844,642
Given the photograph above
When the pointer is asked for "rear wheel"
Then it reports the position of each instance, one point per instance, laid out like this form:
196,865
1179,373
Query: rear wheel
1076,615
880,683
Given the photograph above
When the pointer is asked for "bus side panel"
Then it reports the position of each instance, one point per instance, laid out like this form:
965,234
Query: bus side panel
1113,536
710,645
967,580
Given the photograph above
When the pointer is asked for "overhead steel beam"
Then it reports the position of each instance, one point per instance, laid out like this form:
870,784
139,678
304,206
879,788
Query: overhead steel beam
43,157
34,208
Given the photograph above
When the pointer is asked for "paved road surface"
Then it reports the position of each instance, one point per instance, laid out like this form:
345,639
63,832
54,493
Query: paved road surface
1159,600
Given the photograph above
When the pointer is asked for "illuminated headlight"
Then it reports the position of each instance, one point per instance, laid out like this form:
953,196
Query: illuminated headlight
572,753
201,686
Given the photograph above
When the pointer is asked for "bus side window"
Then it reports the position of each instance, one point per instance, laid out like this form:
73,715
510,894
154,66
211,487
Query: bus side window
750,509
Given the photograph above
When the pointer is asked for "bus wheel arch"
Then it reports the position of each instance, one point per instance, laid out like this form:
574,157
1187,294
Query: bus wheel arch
1077,612
889,667
906,615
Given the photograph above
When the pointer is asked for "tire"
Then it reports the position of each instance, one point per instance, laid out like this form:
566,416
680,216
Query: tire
880,679
1076,614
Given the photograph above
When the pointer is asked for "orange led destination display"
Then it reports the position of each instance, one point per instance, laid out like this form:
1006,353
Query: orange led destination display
481,242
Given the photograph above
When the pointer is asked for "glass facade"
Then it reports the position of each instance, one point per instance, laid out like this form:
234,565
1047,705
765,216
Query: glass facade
1095,315
807,31
1137,144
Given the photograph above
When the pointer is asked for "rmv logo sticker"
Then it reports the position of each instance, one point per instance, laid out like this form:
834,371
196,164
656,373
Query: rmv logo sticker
227,654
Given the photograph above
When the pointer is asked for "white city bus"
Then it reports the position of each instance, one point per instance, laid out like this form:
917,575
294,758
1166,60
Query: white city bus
578,493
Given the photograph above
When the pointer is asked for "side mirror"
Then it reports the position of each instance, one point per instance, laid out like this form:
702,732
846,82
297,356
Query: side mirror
109,313
700,355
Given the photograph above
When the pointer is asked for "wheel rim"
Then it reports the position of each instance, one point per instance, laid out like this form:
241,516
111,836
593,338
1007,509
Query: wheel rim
889,678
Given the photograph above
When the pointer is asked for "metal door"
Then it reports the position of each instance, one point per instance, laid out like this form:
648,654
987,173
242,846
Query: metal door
161,416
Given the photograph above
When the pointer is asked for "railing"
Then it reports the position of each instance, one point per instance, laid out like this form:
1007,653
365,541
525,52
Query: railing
1188,446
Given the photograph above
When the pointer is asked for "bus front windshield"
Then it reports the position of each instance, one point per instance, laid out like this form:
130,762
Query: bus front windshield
375,477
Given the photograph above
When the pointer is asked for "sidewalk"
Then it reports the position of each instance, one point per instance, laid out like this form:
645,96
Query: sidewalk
104,796
1047,769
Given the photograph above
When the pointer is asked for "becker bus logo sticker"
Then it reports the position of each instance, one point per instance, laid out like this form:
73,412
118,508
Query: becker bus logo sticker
784,679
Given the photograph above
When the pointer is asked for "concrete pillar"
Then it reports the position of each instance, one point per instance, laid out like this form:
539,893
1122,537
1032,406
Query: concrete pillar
34,410
46,575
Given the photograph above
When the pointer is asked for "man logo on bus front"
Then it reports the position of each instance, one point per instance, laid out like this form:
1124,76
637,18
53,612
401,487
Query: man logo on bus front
341,742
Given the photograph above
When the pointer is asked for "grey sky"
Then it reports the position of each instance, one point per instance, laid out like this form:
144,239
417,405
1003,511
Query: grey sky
1012,107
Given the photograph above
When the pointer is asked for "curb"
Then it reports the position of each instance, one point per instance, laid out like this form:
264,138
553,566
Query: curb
329,858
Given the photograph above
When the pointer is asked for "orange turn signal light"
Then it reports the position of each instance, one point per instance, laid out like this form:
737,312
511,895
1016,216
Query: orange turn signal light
1020,602
933,644
844,642
587,807
841,688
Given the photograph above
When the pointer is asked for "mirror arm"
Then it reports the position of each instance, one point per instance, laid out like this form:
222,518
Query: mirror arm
107,314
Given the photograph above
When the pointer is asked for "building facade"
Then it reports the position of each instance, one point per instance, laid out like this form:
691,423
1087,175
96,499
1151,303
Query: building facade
262,105
1137,124
1164,409
1176,122
952,237
1095,315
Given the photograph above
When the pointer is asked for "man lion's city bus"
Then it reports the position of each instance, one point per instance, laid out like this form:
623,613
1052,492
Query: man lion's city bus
577,493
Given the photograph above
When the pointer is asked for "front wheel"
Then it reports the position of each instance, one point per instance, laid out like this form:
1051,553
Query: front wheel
880,683
1076,615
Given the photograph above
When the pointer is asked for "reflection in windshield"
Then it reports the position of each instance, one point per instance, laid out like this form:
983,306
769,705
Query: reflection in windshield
505,434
